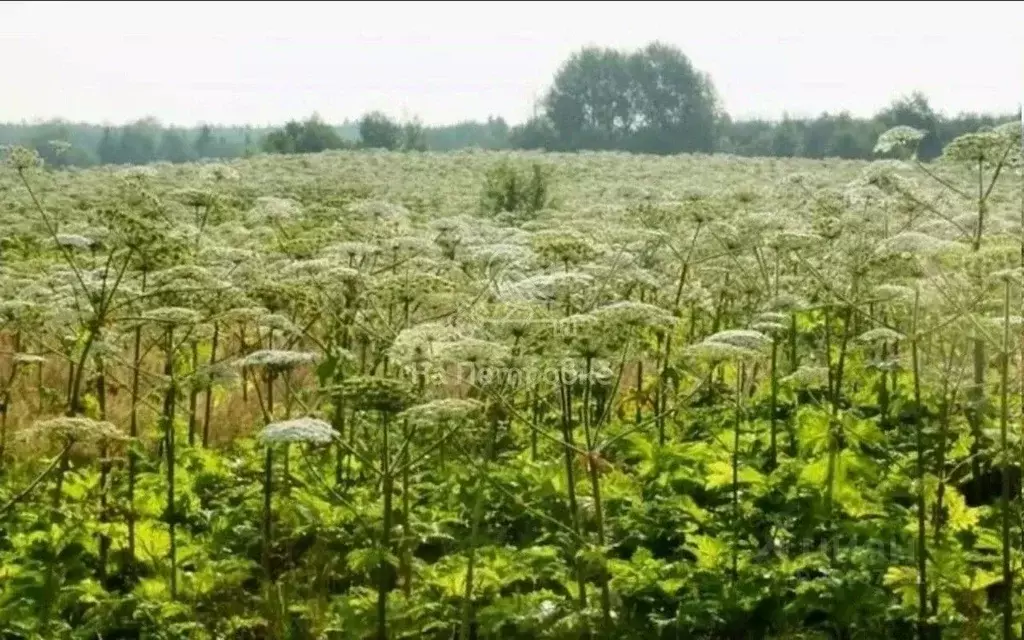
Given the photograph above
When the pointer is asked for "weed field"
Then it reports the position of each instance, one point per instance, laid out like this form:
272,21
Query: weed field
489,395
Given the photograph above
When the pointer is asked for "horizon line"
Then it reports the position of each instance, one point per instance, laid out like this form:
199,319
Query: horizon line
350,120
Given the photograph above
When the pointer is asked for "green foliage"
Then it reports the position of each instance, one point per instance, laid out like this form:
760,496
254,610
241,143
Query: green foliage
492,134
310,136
378,131
651,100
740,407
413,136
517,189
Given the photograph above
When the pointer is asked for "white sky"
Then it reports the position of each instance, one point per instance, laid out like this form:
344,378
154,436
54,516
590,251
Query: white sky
267,62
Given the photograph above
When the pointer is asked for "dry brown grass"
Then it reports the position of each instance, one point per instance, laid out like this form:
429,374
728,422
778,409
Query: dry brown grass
40,392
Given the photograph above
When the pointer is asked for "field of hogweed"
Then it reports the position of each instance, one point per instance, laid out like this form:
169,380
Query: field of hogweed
514,396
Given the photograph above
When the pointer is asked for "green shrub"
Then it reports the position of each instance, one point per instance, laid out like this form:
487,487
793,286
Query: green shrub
518,190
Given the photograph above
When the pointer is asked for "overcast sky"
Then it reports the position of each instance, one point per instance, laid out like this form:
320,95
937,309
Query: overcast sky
267,62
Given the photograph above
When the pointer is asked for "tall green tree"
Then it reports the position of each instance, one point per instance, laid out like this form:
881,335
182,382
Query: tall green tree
786,140
589,104
674,106
204,141
316,136
378,131
54,142
535,133
173,146
844,142
138,142
312,135
652,100
413,137
108,150
492,134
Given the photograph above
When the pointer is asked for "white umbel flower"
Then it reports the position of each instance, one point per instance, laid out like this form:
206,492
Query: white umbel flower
352,249
632,314
880,335
173,316
218,172
774,317
277,359
718,351
244,315
444,411
808,376
549,287
912,242
894,293
28,358
742,338
74,241
1014,275
274,208
306,429
899,138
74,429
769,328
474,351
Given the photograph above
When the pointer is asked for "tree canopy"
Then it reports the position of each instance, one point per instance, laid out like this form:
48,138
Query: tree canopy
650,100
310,136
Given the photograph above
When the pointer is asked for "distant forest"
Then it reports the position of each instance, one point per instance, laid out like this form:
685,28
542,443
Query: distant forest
651,100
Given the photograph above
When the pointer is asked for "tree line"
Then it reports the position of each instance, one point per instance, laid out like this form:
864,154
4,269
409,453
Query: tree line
62,143
651,100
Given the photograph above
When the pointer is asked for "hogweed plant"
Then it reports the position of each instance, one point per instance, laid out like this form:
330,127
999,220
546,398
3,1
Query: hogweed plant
168,319
298,430
66,433
743,406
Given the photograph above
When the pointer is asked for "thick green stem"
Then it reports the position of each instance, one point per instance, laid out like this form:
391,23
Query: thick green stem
940,495
977,396
773,409
661,397
595,492
735,524
794,364
974,418
536,419
104,515
883,382
384,567
208,396
193,397
50,587
338,422
465,631
268,480
75,391
836,387
133,432
5,400
639,417
406,554
922,558
170,397
570,477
